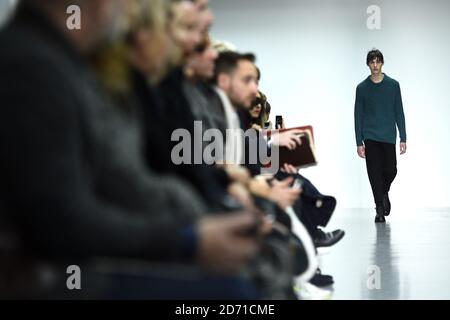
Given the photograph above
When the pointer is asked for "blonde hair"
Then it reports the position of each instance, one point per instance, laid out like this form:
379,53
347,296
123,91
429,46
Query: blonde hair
149,14
112,62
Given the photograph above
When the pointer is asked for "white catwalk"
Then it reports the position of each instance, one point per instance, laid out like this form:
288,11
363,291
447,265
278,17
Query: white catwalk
406,258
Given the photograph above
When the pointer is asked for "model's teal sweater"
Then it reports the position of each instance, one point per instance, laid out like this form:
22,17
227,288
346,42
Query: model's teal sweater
379,111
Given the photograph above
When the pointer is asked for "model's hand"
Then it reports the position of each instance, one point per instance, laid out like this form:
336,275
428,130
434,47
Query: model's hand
403,148
362,151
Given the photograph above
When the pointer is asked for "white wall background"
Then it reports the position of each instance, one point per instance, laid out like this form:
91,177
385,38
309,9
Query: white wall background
312,55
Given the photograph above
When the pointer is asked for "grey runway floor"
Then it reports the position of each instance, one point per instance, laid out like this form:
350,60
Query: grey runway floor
407,258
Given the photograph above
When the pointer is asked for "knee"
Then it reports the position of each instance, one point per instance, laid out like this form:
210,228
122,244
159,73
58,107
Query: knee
392,173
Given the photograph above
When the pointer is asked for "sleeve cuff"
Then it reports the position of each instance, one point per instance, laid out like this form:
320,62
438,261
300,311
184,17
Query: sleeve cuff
189,242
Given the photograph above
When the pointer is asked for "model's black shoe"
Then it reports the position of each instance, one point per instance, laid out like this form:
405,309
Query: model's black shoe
379,218
327,239
386,205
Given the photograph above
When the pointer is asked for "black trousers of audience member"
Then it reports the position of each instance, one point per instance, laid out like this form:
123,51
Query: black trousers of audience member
381,162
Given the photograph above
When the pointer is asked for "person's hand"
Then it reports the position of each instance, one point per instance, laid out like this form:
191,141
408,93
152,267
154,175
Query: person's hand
288,168
403,147
226,242
236,173
256,127
362,152
239,192
289,139
266,226
282,194
259,186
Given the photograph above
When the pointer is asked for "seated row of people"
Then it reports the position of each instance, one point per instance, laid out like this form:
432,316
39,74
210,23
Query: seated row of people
90,176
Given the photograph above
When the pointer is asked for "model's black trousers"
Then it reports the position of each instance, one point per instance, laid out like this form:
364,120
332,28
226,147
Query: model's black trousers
381,162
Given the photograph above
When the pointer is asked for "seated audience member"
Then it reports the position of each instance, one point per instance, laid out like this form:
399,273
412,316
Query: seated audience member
260,113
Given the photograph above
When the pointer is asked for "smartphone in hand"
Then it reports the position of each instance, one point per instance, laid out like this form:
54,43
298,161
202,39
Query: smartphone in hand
278,122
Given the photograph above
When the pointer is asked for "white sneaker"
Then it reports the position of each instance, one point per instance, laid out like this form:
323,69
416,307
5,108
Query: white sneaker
308,291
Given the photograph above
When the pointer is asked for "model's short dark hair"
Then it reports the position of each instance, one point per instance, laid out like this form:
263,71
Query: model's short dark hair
228,61
374,54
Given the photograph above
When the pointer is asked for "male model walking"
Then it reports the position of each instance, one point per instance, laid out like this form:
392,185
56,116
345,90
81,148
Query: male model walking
378,113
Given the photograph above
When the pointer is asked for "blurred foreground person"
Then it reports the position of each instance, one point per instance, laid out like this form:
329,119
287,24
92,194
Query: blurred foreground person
73,189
